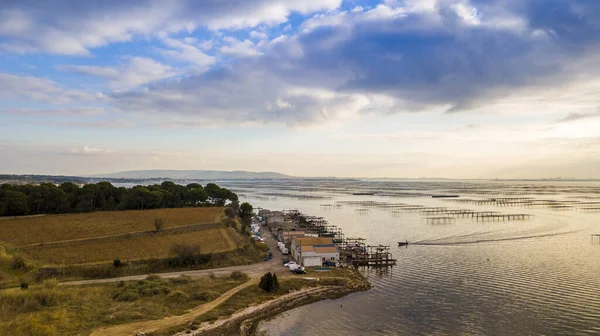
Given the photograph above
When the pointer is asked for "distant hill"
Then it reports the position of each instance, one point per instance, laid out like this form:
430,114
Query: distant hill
195,174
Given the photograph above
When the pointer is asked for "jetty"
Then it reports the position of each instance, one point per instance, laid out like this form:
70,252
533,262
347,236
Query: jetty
353,250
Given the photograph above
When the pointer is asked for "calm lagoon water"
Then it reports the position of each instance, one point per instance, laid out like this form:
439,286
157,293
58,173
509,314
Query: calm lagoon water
533,277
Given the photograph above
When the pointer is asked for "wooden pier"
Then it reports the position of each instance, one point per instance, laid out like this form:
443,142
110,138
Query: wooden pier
502,217
440,220
352,250
375,256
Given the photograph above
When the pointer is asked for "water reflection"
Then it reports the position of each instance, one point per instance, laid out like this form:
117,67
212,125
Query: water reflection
465,277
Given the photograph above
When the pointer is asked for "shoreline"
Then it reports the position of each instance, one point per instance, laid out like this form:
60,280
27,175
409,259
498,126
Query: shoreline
245,321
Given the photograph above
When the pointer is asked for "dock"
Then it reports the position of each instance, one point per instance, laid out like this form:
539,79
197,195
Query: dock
353,250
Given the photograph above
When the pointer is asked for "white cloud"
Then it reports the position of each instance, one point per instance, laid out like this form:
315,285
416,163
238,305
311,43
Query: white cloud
259,35
85,150
72,111
183,51
467,13
40,89
137,71
235,47
70,28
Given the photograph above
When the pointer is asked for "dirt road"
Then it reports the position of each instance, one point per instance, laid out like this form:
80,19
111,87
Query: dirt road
130,329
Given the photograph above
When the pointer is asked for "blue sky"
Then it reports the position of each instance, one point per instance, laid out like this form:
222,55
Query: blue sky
445,88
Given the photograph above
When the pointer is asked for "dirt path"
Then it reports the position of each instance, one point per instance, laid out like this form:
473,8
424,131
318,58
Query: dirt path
273,265
291,300
153,325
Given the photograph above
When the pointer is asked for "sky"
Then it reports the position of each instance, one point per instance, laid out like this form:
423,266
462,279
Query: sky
349,88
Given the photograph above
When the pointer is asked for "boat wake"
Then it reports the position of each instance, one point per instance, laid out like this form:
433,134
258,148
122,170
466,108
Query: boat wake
439,242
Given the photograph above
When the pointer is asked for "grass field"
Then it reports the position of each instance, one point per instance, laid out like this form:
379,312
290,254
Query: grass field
84,246
45,229
52,310
140,247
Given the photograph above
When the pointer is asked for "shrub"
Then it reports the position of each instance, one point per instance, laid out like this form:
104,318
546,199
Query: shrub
179,297
230,212
117,263
205,296
182,279
153,277
262,247
188,255
269,282
17,262
24,285
212,275
46,273
239,276
126,296
159,224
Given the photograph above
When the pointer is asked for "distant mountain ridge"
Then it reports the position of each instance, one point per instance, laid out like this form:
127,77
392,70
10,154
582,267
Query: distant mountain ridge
194,174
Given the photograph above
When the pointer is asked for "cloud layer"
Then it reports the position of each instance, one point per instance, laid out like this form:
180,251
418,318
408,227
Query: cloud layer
339,62
405,69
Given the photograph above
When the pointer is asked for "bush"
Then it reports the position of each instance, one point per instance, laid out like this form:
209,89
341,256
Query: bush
179,297
182,279
127,296
204,296
269,282
153,277
17,262
46,273
212,275
239,276
117,263
24,285
159,224
230,212
188,255
261,247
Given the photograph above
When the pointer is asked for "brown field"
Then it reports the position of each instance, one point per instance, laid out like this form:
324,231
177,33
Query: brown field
52,228
137,247
52,310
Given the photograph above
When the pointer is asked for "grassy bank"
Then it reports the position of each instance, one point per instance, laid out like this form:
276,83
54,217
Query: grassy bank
49,309
319,285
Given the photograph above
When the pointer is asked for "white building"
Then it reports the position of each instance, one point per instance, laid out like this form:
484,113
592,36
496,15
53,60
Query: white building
314,251
274,219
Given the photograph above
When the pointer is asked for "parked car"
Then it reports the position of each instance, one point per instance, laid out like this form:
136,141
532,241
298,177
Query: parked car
299,270
287,264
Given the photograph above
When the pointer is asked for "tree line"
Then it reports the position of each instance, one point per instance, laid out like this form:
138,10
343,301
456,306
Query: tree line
48,198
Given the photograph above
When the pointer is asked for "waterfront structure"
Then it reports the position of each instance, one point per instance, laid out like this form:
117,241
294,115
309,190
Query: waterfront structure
274,219
310,251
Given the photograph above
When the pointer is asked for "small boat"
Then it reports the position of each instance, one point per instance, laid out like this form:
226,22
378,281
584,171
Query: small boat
404,243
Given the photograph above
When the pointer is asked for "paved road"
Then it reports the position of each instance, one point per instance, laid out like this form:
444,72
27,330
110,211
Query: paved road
273,265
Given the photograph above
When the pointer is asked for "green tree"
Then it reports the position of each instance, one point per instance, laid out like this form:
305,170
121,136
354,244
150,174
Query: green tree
246,210
269,282
15,203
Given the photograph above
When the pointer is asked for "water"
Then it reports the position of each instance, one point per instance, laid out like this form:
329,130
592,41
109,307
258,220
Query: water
532,277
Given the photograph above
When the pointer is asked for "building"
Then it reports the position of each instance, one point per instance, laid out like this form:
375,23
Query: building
287,236
274,219
310,251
